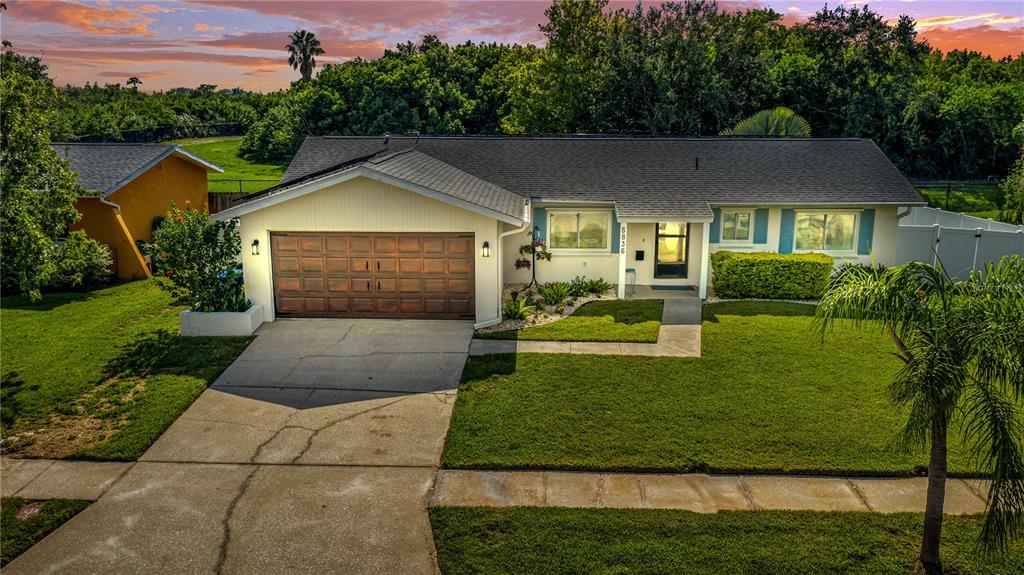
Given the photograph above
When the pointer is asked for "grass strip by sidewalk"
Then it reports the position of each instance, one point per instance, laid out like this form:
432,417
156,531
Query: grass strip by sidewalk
550,541
633,321
24,523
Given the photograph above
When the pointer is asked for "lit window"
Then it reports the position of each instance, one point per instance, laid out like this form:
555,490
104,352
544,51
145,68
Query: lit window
586,231
825,231
736,226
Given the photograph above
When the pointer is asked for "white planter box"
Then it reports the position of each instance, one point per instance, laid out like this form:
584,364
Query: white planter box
221,322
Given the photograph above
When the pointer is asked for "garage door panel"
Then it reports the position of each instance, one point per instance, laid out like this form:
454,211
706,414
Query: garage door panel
337,274
334,265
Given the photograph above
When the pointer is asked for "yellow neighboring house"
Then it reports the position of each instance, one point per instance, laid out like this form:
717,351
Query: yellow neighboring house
131,186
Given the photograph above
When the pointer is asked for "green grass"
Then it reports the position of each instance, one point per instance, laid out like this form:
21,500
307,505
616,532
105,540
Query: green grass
981,200
767,396
224,153
607,320
526,540
17,535
101,374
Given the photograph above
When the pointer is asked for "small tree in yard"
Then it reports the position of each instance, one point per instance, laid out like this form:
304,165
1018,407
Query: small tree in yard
962,348
528,256
197,261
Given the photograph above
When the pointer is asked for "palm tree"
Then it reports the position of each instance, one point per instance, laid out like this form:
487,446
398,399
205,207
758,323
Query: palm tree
134,82
962,348
302,51
779,122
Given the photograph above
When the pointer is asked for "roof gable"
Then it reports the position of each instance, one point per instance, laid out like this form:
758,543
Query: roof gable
108,167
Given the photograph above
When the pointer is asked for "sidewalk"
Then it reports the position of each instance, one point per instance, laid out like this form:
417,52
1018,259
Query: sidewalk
678,336
698,492
49,478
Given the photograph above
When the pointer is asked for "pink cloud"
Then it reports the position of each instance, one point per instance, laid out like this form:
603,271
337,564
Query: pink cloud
985,39
83,17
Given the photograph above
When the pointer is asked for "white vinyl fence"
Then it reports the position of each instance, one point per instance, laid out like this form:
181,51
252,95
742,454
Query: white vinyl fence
962,243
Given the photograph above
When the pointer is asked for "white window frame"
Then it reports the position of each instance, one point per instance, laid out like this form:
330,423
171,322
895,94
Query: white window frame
577,250
856,231
750,231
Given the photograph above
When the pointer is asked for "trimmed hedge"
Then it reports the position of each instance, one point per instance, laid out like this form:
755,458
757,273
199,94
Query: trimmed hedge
768,275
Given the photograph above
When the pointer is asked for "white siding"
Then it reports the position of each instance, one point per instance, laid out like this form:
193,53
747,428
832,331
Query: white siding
364,205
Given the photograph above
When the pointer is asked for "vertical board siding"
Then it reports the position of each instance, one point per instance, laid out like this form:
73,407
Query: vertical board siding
786,230
715,224
761,226
867,232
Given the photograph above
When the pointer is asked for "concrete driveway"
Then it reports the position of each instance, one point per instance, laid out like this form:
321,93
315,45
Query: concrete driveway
314,452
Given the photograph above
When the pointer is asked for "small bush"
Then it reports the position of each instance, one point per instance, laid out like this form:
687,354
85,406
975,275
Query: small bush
769,275
516,308
579,286
80,262
554,293
598,286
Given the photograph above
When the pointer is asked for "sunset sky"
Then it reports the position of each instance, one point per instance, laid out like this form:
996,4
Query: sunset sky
241,43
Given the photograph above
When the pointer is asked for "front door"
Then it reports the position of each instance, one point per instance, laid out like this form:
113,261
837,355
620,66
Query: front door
670,250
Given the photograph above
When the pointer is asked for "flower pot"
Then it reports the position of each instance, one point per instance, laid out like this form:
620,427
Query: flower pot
221,322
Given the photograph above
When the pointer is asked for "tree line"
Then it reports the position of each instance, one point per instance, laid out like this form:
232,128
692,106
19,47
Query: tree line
675,69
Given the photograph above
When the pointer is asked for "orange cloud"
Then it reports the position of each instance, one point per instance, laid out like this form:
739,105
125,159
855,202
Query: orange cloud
207,28
985,39
260,73
160,56
142,75
83,17
949,20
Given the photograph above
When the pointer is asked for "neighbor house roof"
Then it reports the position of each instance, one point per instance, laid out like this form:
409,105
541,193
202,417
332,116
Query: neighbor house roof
650,177
407,168
108,167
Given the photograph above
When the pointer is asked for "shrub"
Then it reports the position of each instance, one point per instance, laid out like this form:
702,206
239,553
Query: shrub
80,262
770,275
197,261
598,286
516,308
554,293
579,286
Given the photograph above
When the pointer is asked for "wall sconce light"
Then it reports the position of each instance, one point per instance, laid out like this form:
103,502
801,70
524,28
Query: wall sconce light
255,247
486,251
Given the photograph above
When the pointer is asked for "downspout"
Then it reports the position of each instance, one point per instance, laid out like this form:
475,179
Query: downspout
900,216
527,221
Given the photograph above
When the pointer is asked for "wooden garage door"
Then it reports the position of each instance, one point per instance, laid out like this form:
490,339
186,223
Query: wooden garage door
382,275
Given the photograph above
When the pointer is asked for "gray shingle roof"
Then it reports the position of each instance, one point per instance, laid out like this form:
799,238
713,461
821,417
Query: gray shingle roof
416,168
651,176
106,167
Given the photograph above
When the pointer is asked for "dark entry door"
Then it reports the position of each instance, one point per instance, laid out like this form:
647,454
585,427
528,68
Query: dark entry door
670,250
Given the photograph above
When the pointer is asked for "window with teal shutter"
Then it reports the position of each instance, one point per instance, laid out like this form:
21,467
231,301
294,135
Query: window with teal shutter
786,231
540,223
867,230
761,226
715,226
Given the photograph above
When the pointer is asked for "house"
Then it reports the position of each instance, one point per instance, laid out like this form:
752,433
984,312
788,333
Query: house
430,227
129,188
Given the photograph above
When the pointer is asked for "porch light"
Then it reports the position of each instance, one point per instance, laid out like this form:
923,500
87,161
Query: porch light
486,251
255,247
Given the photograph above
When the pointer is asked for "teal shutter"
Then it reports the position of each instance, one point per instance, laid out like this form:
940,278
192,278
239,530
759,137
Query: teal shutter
615,233
540,223
867,231
786,231
761,226
715,223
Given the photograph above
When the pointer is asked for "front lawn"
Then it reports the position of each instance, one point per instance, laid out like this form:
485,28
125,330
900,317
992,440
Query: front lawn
766,396
100,375
526,540
635,321
24,523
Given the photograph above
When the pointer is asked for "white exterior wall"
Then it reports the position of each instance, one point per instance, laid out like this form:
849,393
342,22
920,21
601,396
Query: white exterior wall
563,267
883,245
364,205
642,237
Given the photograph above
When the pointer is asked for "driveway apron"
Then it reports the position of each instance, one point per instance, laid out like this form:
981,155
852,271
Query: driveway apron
314,452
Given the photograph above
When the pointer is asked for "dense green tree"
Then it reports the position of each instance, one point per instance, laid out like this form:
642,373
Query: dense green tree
37,187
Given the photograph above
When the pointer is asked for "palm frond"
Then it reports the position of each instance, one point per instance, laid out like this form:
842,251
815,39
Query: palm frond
779,122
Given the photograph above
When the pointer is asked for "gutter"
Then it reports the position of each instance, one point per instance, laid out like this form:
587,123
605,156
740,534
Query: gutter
527,222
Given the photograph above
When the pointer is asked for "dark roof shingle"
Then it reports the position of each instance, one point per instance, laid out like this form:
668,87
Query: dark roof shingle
651,176
103,167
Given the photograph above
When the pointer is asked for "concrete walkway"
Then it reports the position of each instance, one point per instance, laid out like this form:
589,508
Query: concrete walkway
49,478
698,492
678,336
314,452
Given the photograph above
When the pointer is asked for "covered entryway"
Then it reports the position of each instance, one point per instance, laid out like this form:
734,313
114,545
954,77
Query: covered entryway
373,275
